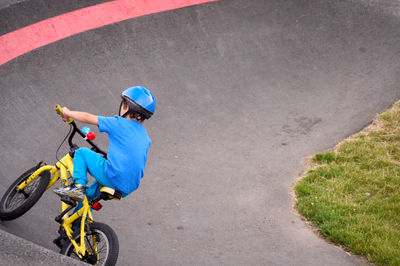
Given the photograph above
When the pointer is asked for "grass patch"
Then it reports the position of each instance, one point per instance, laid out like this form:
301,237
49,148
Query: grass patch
353,193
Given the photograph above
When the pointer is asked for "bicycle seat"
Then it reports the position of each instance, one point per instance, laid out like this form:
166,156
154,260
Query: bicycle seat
111,193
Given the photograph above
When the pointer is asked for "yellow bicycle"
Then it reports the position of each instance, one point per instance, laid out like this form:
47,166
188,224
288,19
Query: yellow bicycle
80,236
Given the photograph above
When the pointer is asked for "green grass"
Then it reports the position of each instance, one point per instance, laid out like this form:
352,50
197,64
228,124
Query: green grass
353,193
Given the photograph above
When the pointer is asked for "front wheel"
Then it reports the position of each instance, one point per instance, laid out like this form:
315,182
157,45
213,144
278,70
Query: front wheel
17,202
101,236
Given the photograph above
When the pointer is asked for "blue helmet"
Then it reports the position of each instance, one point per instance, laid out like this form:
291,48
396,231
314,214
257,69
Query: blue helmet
141,102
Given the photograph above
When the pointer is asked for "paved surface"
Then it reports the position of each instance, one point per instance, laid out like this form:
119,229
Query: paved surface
18,251
245,90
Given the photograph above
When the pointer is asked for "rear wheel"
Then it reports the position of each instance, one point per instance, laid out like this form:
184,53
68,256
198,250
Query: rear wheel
17,202
101,236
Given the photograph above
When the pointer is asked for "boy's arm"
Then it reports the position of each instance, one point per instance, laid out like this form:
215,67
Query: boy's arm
80,116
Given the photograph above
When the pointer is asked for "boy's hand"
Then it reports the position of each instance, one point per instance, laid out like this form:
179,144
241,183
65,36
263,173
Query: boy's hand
66,113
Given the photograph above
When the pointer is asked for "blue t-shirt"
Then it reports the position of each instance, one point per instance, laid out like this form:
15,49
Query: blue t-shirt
127,152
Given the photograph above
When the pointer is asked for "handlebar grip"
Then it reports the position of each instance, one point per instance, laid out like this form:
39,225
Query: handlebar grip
59,110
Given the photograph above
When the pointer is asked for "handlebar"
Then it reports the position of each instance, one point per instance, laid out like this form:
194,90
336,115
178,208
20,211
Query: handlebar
75,129
59,110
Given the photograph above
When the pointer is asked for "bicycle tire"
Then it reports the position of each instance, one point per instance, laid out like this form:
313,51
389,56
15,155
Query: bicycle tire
15,203
102,232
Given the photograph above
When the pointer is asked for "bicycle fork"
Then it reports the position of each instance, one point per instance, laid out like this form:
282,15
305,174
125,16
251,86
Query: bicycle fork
39,169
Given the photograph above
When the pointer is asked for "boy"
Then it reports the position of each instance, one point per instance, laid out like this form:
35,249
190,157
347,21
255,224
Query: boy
128,146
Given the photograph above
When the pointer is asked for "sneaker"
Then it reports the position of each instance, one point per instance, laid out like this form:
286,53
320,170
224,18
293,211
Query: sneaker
74,192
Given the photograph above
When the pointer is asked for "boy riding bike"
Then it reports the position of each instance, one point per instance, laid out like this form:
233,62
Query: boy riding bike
117,174
126,159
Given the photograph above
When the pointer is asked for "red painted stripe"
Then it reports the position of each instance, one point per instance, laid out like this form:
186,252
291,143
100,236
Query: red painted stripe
26,39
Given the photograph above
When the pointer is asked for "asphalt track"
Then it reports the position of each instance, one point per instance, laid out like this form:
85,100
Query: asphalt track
245,91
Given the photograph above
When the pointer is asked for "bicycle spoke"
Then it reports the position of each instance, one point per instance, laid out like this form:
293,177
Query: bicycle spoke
33,185
101,250
88,243
23,192
15,200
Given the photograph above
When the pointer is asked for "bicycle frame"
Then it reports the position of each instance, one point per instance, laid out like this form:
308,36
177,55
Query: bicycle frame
85,213
60,170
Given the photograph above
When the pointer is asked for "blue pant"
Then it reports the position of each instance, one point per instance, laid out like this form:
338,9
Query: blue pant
86,160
